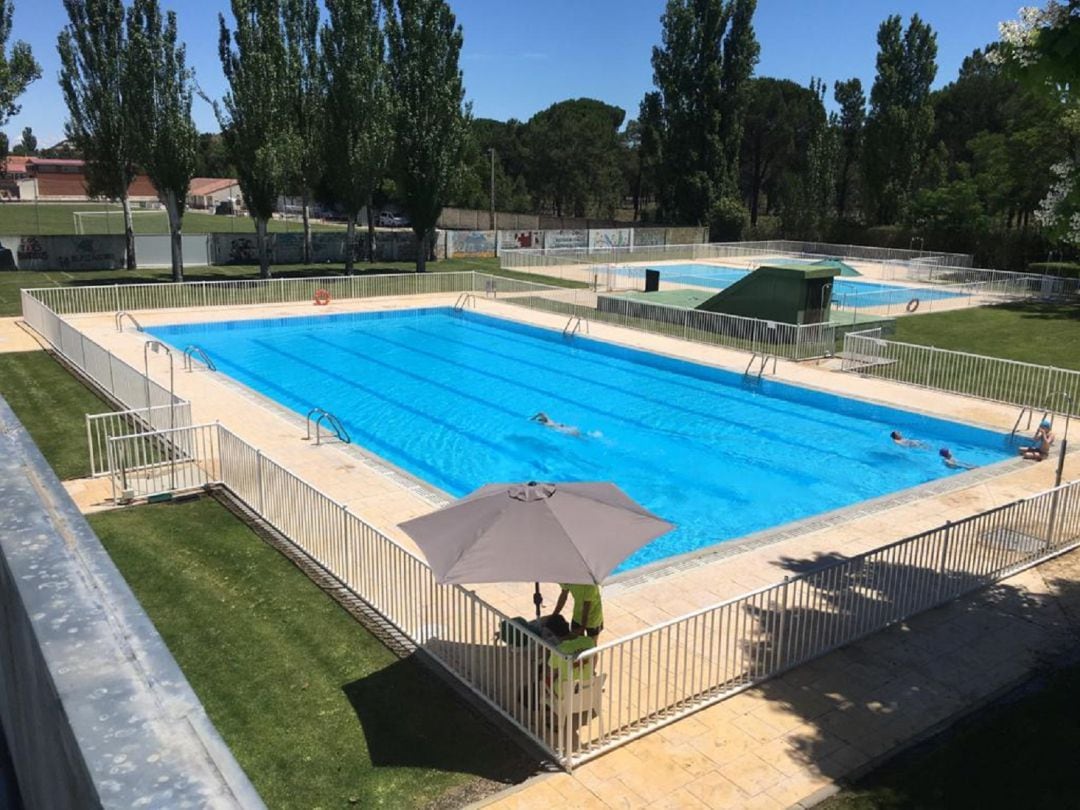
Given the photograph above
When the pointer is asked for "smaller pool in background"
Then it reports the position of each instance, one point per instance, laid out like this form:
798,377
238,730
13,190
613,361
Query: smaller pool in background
846,294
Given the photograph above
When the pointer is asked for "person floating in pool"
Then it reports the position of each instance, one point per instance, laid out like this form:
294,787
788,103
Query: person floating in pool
898,438
1040,443
548,422
952,462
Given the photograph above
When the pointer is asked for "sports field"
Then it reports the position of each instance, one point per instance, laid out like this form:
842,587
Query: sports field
30,219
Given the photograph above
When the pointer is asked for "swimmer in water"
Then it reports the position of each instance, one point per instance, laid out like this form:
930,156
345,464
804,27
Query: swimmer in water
548,422
898,438
952,462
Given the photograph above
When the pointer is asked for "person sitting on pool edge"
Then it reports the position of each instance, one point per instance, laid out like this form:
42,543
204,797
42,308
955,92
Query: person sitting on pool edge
1040,443
588,618
898,438
548,422
952,462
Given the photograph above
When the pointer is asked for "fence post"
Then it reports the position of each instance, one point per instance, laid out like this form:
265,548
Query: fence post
116,296
259,481
942,562
778,663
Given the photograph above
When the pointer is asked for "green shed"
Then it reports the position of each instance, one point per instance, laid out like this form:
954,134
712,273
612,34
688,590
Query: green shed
783,291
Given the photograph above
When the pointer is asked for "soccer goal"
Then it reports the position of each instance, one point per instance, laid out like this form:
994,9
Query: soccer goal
102,222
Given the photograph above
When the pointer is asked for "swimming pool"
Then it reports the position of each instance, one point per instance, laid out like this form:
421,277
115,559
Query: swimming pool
847,294
448,397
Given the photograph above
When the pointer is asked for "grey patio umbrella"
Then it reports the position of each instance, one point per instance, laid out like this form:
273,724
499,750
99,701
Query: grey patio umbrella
534,533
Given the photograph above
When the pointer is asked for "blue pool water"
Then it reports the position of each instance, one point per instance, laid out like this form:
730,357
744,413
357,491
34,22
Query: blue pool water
448,396
848,294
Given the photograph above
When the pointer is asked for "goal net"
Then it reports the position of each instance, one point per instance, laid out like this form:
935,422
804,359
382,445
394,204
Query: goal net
103,222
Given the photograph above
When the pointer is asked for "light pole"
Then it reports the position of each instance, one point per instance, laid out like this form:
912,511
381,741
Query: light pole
157,346
491,150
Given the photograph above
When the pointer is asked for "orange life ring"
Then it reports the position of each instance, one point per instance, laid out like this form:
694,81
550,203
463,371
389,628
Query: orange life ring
913,305
322,298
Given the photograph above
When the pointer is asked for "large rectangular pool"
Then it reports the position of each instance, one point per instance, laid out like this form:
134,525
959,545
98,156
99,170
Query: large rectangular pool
448,396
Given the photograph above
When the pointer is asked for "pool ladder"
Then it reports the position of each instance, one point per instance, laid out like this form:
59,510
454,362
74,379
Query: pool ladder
463,301
1029,412
319,417
573,326
192,352
762,359
119,321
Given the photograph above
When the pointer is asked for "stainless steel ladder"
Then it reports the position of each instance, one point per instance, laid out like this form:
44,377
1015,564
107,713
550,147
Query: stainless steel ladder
331,421
463,301
193,351
764,358
1029,412
119,321
573,326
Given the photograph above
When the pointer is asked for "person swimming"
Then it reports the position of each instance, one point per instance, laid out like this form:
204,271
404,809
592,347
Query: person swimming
548,422
898,438
952,462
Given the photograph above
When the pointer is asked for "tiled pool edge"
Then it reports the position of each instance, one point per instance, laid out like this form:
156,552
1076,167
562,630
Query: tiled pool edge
726,549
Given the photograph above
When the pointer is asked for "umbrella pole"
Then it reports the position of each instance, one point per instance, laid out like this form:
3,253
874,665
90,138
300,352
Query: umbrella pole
537,599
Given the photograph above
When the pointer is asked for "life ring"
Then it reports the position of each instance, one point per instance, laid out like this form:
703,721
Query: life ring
322,298
913,305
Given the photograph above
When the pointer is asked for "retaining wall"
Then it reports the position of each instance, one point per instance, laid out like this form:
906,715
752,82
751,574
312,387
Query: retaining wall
95,709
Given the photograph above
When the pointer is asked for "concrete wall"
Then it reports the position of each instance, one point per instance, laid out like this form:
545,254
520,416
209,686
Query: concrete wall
66,252
94,707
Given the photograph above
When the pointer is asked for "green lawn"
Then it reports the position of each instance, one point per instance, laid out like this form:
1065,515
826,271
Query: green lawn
315,709
1047,334
23,219
51,404
1017,755
12,282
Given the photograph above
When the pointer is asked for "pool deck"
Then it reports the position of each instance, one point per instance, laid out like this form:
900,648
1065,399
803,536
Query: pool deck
372,490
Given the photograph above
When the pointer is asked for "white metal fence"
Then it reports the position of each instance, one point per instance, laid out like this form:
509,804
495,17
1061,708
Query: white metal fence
859,252
1003,283
661,674
103,426
1009,381
793,341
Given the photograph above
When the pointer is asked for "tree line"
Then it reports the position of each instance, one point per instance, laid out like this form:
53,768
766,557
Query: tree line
368,105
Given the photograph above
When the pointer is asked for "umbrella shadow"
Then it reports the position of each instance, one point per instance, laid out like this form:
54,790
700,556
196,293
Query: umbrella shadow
411,718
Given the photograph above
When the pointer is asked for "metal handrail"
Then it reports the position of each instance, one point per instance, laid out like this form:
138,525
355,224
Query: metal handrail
119,321
765,357
573,326
463,301
331,421
189,354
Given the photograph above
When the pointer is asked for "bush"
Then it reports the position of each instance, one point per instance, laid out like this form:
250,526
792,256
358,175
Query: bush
1063,269
728,220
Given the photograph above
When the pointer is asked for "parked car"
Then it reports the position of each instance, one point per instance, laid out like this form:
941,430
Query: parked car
388,219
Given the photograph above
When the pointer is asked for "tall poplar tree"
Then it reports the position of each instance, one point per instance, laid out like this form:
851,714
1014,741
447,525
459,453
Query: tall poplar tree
165,137
257,122
700,71
901,117
93,78
357,110
848,123
430,118
301,26
17,70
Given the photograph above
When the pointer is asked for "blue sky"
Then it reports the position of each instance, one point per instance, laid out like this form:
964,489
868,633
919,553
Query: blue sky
520,56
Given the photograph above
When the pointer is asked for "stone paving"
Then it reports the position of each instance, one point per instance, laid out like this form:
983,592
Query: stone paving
787,742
